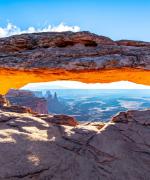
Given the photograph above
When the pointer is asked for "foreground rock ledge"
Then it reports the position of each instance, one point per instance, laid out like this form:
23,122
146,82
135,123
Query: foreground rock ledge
80,56
37,147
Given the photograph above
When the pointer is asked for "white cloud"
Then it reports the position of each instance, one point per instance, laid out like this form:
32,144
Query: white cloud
130,105
80,85
12,29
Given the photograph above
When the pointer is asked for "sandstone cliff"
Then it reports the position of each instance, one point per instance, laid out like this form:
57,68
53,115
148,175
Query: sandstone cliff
43,147
27,99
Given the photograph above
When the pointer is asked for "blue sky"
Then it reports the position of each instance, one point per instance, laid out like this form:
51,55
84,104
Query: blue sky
128,19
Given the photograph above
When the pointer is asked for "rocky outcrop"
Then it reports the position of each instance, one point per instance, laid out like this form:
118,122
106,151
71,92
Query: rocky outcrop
17,109
54,104
72,51
3,101
27,99
61,120
133,43
37,147
51,39
6,106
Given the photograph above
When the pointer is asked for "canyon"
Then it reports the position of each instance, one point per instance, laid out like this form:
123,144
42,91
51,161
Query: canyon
81,56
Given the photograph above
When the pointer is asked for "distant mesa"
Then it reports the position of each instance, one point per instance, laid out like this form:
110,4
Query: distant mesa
27,99
36,101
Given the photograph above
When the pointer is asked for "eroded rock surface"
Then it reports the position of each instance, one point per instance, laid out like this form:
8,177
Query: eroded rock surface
72,51
33,147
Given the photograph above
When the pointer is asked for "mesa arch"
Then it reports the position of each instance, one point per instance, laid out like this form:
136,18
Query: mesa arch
81,56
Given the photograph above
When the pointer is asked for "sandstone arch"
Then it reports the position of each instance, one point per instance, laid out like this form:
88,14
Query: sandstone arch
82,56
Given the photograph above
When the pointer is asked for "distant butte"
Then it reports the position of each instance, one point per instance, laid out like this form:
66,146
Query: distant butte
80,56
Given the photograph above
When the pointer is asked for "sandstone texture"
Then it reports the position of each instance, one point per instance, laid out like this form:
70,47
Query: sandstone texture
72,51
27,99
34,146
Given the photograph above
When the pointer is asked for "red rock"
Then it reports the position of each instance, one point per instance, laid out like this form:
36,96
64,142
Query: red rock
27,99
133,43
18,109
3,101
62,120
6,106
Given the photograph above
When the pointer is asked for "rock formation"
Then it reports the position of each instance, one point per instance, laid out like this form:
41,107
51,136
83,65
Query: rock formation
27,99
39,147
6,106
81,56
54,105
3,101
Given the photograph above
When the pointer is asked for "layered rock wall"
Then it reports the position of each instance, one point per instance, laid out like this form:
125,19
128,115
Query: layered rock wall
27,99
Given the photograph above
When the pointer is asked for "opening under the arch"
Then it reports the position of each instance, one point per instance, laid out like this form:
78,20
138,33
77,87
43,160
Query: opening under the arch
85,102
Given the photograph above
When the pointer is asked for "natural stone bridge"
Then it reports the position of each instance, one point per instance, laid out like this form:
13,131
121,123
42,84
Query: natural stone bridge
81,56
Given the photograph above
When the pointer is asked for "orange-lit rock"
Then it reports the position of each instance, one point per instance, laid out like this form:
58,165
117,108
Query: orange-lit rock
17,78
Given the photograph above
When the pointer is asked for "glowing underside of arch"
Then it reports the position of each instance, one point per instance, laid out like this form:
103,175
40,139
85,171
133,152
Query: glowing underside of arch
10,78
